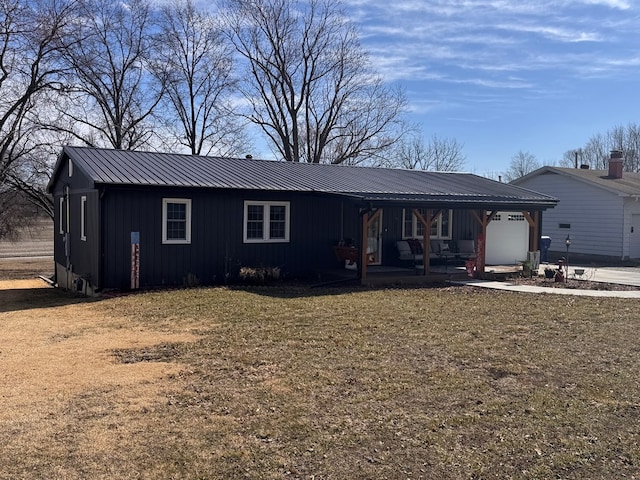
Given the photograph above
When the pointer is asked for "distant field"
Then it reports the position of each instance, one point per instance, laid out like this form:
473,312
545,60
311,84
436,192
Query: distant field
34,240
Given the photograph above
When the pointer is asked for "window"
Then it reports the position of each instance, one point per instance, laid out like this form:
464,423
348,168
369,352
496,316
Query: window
266,222
413,228
176,220
83,218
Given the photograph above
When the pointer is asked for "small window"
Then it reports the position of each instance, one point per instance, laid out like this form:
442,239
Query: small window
176,220
70,168
83,218
266,222
564,225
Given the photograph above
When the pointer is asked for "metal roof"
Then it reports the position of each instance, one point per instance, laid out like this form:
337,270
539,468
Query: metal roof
123,167
628,185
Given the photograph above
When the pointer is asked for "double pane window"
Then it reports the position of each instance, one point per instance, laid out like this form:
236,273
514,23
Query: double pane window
266,222
176,220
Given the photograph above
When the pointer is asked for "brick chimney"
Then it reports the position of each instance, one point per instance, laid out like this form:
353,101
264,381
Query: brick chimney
615,164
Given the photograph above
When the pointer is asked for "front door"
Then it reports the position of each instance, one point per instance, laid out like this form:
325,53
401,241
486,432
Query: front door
374,241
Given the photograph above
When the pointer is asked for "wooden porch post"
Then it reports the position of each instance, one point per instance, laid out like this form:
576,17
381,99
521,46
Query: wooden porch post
363,246
483,219
426,220
534,229
364,257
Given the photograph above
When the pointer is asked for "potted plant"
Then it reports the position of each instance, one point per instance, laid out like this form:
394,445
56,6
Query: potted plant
527,268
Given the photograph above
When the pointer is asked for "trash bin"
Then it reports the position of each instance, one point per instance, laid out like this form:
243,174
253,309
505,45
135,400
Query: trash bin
545,243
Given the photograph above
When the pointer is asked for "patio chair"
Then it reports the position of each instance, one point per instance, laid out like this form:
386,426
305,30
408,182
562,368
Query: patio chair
466,249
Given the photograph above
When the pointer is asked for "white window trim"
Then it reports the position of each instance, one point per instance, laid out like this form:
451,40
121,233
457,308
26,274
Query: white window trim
414,227
83,212
62,215
265,231
183,241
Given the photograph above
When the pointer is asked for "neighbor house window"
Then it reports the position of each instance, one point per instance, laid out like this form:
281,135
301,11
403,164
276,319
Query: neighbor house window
83,218
176,220
266,222
413,228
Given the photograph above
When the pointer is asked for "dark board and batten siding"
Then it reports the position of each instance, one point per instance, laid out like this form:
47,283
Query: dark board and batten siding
125,190
217,248
84,254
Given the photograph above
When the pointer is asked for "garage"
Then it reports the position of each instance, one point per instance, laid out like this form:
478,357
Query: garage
507,239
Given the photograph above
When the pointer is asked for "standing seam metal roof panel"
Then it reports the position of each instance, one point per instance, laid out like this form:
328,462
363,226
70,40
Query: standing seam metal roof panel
123,167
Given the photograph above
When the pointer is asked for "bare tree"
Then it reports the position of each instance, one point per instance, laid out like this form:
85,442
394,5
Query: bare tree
445,154
195,61
595,153
112,94
31,34
521,164
631,149
572,158
309,84
441,154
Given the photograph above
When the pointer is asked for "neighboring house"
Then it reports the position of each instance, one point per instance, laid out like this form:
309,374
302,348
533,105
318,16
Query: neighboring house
598,209
127,219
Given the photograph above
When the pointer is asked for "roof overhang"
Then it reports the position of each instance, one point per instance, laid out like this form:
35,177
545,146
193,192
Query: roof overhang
468,202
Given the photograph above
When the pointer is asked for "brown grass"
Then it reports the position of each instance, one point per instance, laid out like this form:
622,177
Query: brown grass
270,383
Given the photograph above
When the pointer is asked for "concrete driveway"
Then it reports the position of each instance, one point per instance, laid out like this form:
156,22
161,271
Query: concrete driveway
620,275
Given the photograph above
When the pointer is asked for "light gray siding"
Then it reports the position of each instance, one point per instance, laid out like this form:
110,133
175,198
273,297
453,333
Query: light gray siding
595,216
631,208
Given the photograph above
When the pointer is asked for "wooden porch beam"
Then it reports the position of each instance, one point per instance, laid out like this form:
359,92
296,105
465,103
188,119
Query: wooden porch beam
482,218
374,217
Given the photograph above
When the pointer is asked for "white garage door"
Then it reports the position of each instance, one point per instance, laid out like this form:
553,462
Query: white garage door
507,239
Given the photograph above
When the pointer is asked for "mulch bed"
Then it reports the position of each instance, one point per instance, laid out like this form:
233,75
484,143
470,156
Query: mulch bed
571,283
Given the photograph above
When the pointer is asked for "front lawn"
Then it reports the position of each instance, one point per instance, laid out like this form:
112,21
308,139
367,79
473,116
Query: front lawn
446,383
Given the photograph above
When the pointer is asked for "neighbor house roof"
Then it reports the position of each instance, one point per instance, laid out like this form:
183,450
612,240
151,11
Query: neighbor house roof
122,167
627,186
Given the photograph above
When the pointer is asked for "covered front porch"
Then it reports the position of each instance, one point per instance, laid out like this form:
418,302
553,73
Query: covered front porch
390,275
436,236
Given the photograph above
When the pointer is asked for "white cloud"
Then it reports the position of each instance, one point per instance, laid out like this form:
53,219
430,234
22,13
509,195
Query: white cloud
619,4
562,34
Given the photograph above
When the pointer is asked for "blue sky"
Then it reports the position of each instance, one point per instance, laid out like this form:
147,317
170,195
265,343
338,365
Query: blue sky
500,76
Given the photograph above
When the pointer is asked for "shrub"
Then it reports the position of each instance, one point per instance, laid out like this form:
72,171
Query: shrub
259,275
